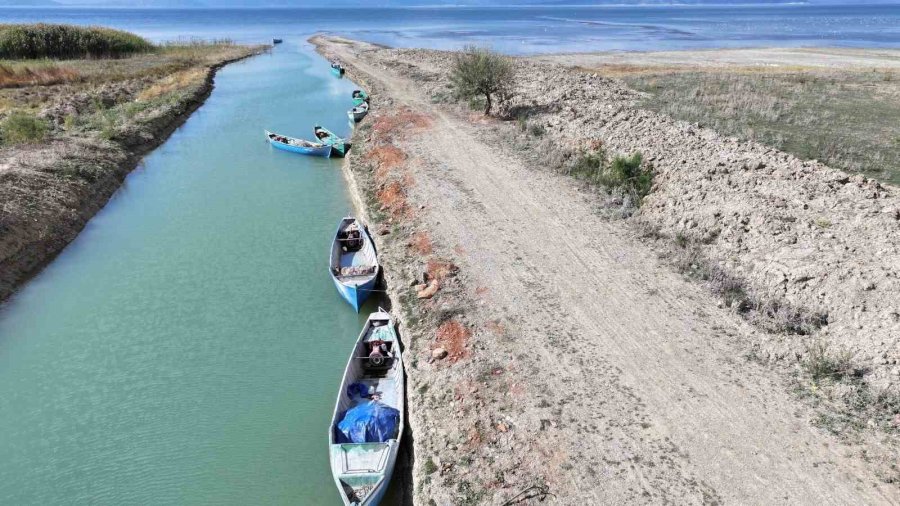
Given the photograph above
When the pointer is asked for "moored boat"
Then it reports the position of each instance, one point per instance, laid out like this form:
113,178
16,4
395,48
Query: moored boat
337,69
338,145
298,145
360,97
359,112
368,420
354,264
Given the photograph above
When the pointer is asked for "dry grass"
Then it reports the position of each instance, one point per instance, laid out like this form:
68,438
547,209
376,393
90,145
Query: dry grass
849,119
16,74
177,81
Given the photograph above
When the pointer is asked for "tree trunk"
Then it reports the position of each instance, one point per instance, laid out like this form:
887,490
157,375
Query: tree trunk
487,107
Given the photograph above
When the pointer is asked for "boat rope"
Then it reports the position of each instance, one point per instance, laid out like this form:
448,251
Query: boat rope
539,491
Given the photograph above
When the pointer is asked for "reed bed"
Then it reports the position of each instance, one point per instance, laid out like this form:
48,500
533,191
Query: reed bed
44,40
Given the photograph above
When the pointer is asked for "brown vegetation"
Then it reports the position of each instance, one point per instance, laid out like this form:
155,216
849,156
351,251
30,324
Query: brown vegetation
13,75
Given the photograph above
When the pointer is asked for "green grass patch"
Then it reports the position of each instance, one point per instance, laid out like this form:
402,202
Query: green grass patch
625,174
56,41
23,128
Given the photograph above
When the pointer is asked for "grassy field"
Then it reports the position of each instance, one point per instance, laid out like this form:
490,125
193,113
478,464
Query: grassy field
848,119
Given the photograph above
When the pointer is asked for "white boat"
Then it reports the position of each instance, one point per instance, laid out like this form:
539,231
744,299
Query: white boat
359,112
368,419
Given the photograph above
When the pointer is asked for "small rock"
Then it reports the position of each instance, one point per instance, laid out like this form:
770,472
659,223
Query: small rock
427,291
438,353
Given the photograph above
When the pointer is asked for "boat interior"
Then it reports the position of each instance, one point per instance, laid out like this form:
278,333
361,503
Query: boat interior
292,141
353,257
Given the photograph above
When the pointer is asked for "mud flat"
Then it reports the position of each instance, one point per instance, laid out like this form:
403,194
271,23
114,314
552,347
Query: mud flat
101,117
567,346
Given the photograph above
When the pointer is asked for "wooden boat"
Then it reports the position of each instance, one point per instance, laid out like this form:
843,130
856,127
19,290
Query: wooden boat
359,112
277,41
338,145
298,145
359,97
354,262
370,404
337,69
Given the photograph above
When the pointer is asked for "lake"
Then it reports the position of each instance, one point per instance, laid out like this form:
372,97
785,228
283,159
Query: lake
519,30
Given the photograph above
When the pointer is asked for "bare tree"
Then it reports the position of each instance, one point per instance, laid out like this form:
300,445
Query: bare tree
481,72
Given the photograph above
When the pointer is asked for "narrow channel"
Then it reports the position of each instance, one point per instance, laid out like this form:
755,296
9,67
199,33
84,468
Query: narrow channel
187,347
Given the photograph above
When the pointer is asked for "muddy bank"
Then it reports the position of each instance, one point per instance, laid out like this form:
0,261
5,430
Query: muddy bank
52,189
545,361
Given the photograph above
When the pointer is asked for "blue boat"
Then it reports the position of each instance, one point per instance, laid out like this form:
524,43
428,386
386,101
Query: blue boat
299,145
354,264
337,69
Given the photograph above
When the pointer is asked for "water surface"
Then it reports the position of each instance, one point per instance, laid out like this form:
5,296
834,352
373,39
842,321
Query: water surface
187,347
517,30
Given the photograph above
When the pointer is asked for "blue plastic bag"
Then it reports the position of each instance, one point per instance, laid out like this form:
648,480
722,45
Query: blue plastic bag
371,422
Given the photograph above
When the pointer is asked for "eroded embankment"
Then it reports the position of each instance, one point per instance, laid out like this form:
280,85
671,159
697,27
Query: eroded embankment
50,190
549,351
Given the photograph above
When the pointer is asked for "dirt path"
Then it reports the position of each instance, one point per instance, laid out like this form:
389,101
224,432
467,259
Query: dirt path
657,402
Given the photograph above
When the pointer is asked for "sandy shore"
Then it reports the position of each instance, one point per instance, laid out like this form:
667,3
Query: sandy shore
51,190
753,58
553,354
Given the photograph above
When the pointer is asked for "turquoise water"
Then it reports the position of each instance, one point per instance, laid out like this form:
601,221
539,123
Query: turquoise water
187,347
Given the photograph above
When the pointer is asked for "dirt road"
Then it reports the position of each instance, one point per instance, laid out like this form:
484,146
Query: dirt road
636,389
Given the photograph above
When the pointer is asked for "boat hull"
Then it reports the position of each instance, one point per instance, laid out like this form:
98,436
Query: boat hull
324,151
355,295
356,117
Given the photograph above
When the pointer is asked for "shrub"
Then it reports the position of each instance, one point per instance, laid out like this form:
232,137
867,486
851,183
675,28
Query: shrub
625,174
589,165
822,364
536,130
67,41
22,128
628,174
479,72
